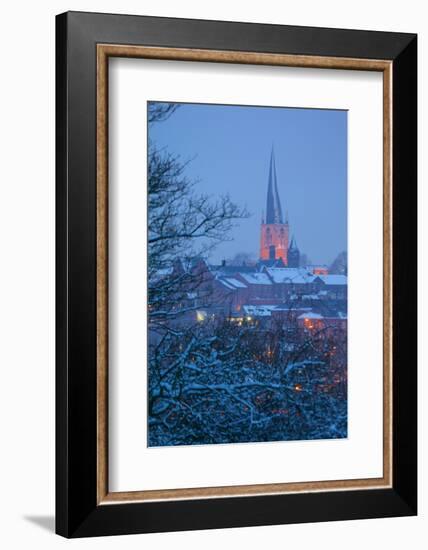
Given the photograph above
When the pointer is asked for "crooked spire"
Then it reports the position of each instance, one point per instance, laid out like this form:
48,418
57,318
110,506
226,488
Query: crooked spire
273,203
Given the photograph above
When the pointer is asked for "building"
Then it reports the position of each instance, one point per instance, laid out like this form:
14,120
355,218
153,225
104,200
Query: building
318,269
274,229
276,290
275,248
293,254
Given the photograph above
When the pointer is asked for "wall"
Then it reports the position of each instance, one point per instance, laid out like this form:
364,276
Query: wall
27,271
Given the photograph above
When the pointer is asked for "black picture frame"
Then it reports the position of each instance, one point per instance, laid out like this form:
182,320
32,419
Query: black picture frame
77,511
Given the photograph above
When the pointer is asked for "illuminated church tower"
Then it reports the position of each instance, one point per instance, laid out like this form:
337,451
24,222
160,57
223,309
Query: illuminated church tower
274,228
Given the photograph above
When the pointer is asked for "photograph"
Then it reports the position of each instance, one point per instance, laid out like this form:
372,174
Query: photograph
214,257
247,274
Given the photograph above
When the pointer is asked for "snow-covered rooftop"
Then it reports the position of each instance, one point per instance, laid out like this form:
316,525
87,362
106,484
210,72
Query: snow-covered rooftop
231,283
310,315
226,284
227,270
292,308
258,311
334,279
235,282
289,275
256,278
310,297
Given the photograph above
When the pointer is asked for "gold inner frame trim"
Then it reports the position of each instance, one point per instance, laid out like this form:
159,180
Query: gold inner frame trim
104,51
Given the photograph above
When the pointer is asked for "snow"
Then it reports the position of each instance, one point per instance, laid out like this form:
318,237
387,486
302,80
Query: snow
256,278
292,308
231,283
311,315
334,279
161,274
289,275
235,283
258,311
226,284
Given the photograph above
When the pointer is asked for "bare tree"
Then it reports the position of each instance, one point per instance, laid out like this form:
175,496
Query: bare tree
340,264
183,226
159,112
236,384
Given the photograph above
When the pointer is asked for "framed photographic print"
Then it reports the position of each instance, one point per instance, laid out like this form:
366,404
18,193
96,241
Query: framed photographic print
236,274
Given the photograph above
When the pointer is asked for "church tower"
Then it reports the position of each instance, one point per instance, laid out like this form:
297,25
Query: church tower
274,229
293,254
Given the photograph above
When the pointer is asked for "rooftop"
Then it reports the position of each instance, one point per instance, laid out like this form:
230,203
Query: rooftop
311,315
231,283
290,275
256,278
334,279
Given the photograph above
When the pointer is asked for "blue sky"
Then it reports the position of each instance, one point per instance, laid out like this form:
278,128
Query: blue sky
230,151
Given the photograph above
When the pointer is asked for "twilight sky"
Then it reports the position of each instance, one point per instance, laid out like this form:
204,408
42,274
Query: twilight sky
230,151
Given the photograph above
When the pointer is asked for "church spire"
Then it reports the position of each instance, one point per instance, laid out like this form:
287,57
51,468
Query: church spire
293,254
273,203
273,230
